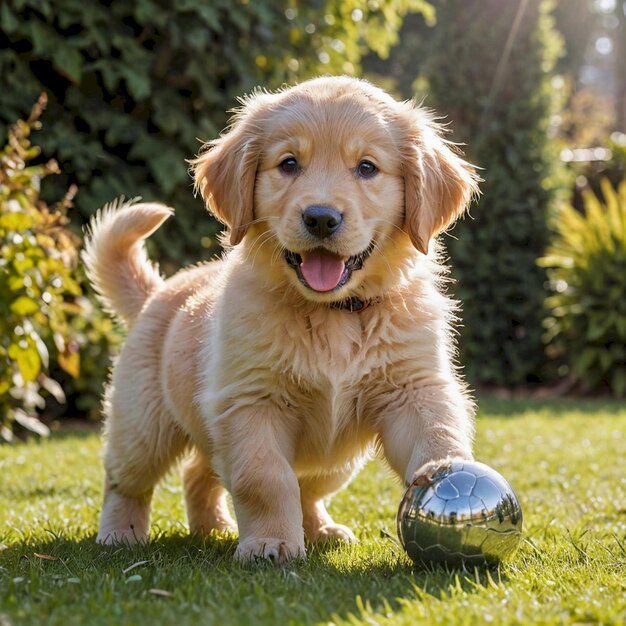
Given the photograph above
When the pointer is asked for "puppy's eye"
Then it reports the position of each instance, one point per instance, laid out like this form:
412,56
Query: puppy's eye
366,169
290,166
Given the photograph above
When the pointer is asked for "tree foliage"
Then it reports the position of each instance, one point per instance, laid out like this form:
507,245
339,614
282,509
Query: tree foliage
135,86
491,79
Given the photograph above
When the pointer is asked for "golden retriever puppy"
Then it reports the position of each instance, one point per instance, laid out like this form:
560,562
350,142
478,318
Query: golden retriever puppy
320,336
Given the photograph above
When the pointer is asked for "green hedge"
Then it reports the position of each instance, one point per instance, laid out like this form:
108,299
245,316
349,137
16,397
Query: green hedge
134,86
501,109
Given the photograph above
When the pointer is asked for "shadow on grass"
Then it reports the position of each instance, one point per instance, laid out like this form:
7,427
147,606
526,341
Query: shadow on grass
334,583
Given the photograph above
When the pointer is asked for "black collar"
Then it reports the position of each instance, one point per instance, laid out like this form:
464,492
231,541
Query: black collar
354,304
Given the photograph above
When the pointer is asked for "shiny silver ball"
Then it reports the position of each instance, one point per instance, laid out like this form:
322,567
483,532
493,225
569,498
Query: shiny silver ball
466,514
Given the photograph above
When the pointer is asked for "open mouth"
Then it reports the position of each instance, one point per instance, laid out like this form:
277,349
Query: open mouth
324,271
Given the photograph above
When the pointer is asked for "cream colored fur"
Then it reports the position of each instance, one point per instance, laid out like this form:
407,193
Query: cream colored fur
279,397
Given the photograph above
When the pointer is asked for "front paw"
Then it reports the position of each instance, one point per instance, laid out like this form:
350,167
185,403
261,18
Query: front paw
275,550
334,532
428,473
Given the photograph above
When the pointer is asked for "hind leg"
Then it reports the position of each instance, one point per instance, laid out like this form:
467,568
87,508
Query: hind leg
317,522
207,506
138,452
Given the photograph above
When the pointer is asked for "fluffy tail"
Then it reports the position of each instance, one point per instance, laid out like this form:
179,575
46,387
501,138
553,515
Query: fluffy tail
116,259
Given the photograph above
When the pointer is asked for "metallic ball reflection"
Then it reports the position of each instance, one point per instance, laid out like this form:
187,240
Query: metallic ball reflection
468,515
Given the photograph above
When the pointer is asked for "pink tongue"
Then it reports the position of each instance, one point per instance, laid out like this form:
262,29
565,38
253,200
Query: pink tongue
321,269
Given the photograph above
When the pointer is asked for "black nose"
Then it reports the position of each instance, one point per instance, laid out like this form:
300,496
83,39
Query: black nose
321,221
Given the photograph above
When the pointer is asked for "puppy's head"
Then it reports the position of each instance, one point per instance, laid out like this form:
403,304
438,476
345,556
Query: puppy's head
335,180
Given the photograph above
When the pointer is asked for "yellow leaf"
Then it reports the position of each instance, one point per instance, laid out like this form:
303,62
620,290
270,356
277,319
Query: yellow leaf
27,359
70,362
46,557
24,306
16,221
71,286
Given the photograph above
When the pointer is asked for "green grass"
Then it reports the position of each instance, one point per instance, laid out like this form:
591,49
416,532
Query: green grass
566,461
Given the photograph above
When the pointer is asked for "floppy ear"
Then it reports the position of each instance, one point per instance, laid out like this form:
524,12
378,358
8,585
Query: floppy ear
438,183
225,173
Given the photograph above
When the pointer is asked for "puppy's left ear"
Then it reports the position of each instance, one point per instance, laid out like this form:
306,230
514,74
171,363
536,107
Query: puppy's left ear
225,173
438,183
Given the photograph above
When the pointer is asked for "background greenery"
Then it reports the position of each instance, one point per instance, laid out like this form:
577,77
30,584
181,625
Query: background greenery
135,87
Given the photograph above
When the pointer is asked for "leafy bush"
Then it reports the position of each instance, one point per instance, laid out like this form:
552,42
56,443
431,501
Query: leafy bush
500,105
587,270
135,86
98,338
38,254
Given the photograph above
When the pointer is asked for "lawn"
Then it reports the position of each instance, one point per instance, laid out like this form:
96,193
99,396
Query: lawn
566,460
